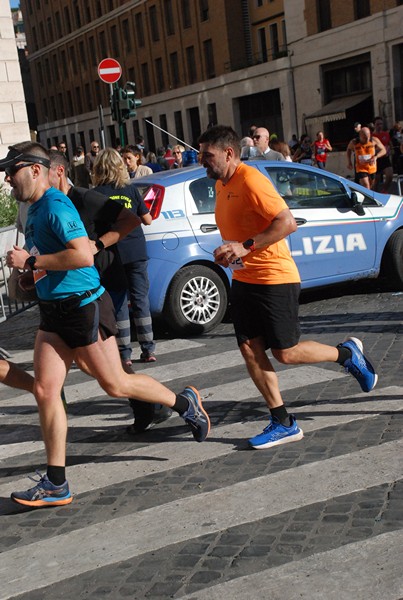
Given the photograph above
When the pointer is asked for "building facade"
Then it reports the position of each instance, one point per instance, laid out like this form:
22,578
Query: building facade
290,65
13,115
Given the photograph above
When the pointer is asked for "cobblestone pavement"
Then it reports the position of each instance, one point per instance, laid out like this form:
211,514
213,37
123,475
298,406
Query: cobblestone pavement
159,516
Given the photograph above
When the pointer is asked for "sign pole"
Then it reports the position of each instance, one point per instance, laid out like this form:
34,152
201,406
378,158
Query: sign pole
101,126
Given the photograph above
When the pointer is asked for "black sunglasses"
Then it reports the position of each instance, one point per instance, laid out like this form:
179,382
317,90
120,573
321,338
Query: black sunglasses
11,171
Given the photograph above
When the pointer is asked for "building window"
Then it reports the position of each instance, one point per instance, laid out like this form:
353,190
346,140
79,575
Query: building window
274,40
178,124
34,38
186,14
145,79
64,63
212,114
87,92
58,24
159,71
139,29
127,36
259,2
261,34
347,78
88,16
132,74
191,64
47,71
56,71
83,55
115,41
40,73
362,9
209,58
69,100
93,51
77,14
98,9
155,34
324,15
164,126
203,6
67,19
173,58
169,18
50,30
73,60
102,44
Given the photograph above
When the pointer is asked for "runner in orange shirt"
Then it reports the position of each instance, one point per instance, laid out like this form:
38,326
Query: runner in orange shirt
254,222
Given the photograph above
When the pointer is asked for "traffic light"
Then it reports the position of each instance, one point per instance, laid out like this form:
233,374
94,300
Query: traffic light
115,105
127,101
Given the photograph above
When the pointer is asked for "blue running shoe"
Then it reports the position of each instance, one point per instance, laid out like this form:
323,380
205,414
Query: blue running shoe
359,366
44,493
276,434
195,416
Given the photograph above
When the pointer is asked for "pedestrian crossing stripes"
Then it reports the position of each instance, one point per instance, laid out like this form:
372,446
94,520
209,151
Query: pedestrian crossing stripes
60,547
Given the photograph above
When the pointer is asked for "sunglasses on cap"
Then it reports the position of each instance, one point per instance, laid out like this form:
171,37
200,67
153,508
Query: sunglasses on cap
11,171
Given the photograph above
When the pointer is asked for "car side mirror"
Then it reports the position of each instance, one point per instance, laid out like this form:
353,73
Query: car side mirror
357,200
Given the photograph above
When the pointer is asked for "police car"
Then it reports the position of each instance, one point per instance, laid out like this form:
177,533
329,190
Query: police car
345,232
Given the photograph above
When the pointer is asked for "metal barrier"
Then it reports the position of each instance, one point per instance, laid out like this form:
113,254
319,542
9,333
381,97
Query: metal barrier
8,237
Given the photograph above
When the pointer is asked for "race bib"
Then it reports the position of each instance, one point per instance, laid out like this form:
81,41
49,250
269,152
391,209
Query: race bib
38,273
236,264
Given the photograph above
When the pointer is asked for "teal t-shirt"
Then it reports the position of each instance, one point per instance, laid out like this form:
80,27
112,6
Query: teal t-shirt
52,222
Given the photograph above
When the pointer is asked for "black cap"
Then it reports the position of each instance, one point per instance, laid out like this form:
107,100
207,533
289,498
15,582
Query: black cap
14,157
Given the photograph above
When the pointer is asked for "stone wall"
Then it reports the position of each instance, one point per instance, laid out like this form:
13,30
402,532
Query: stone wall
13,114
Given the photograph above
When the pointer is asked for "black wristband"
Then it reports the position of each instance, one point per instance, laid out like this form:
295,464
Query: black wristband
31,260
99,244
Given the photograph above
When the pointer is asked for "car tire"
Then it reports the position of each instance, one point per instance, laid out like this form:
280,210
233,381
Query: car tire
196,301
393,261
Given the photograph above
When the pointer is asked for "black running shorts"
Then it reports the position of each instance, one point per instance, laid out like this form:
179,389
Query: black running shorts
268,311
80,326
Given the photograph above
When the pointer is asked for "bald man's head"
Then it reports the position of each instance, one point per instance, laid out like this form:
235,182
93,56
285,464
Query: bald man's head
261,138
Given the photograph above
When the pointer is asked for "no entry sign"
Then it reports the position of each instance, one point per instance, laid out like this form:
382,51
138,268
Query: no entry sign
109,70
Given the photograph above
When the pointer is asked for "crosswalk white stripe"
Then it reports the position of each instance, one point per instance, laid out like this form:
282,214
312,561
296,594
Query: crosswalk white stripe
113,541
361,570
141,462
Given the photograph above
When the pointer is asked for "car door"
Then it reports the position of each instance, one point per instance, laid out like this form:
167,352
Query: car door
200,200
332,243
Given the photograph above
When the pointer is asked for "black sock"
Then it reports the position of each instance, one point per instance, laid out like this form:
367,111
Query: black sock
56,475
181,404
281,414
344,354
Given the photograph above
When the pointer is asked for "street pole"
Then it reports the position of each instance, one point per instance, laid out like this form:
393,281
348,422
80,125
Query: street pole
101,126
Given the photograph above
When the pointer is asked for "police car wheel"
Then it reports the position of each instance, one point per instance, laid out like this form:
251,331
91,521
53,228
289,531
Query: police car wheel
392,263
196,301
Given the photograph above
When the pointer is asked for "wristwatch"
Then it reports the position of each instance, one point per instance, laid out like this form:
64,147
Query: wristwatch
249,245
31,260
99,244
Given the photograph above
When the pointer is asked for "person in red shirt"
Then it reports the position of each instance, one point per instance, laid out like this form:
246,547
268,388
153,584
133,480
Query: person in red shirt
384,170
321,146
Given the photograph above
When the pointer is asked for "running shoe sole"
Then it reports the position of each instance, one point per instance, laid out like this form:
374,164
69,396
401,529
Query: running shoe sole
360,346
42,503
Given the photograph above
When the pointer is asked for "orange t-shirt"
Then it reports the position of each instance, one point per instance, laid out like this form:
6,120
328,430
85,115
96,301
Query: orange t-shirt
246,206
363,153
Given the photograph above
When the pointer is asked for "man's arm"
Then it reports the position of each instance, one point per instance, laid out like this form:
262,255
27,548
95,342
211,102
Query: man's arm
349,152
78,254
281,226
380,146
